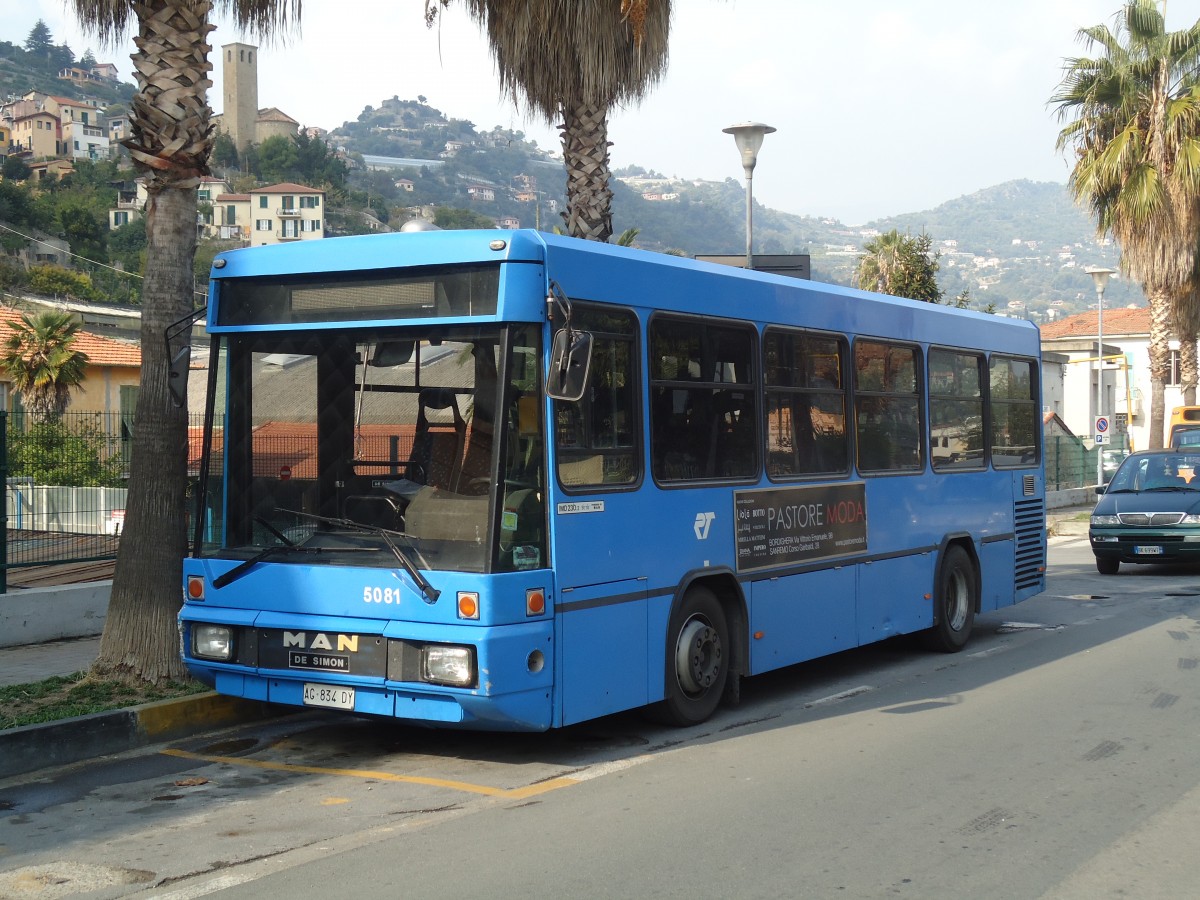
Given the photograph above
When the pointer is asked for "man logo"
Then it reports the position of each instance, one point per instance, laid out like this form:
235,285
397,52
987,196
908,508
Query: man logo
703,521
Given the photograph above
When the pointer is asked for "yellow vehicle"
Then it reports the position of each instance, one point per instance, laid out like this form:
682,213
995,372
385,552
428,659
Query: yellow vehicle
1184,420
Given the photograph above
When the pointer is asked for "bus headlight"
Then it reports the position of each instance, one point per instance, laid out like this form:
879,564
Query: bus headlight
447,664
212,641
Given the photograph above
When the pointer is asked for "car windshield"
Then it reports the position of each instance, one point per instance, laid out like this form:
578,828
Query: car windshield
1158,472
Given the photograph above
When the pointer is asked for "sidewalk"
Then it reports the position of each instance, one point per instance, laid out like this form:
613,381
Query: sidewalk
35,662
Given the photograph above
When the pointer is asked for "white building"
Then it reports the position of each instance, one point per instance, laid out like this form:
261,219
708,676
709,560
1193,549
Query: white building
1126,383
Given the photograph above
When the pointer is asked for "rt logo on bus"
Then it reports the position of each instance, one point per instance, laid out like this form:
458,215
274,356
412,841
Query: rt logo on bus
703,521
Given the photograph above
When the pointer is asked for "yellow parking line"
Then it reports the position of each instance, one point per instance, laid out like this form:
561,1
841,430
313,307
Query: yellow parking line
520,793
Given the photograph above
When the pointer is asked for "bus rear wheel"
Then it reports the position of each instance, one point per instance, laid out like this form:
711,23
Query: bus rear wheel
956,595
697,658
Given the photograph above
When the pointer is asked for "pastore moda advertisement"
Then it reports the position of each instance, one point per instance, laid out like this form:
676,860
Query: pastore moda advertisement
787,526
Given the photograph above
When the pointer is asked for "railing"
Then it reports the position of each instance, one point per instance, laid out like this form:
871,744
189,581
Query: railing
65,487
1069,464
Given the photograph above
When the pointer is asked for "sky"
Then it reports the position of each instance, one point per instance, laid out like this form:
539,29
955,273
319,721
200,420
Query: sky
881,107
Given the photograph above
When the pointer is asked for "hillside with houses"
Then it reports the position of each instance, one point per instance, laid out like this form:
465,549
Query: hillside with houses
1018,248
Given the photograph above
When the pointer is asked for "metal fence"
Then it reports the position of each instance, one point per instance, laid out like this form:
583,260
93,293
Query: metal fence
1069,464
65,488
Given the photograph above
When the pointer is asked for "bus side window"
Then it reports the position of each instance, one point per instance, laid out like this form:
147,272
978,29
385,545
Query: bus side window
597,438
887,407
1015,420
702,429
806,404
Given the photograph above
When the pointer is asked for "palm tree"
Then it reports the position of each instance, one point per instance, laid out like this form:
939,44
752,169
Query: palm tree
576,60
879,262
42,363
170,143
900,265
1134,130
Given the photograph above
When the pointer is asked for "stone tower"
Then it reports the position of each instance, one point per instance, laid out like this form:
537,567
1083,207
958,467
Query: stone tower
240,77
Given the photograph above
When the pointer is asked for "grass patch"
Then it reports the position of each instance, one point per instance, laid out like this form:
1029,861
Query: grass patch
69,696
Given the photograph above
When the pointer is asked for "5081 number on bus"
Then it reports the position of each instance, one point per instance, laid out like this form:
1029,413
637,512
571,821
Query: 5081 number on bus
381,595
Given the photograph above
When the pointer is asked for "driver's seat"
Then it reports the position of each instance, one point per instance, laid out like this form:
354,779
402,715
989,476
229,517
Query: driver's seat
437,450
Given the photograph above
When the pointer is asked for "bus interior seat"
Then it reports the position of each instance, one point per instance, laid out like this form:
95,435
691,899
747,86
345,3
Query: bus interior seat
437,451
477,461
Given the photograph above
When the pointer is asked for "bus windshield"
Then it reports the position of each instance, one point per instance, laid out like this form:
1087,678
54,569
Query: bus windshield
368,447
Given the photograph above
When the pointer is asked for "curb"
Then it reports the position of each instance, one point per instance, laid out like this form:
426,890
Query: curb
1069,527
31,747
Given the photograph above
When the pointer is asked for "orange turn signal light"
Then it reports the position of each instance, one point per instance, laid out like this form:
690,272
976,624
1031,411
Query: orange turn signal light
535,601
195,587
468,605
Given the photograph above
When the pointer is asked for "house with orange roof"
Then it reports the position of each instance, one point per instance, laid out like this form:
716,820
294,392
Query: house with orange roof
110,385
1126,372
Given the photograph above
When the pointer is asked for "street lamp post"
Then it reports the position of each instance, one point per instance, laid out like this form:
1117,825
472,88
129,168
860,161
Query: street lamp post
1100,276
749,137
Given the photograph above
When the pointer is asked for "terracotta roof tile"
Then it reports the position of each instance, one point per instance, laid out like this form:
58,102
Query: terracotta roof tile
101,351
287,187
1123,321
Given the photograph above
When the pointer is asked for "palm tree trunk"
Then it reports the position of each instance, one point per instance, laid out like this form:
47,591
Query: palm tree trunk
585,153
139,641
171,141
1160,364
1188,366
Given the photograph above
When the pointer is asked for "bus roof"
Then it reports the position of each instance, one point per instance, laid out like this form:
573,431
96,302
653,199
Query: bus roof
588,270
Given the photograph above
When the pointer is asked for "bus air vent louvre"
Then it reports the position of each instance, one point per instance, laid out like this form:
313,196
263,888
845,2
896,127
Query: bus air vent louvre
1029,484
1030,522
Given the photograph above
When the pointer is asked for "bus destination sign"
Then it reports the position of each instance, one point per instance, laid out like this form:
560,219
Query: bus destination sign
786,526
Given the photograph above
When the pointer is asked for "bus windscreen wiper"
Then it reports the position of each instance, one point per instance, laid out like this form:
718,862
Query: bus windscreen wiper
242,568
429,592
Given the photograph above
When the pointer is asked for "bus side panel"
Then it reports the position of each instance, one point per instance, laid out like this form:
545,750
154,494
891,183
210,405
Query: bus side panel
801,617
892,596
602,649
997,561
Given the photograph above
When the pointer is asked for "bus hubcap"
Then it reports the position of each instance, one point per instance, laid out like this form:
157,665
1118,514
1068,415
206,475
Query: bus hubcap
956,609
698,656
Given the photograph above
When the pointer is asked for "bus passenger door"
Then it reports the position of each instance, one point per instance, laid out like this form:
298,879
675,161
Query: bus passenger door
602,648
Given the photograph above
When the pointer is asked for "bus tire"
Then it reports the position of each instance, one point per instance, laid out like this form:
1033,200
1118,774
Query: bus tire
698,655
956,594
1108,565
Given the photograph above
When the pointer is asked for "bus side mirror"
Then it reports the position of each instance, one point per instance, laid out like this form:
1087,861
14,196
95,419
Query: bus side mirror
570,361
177,375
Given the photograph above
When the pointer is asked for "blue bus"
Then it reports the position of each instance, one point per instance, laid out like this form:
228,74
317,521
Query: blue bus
512,480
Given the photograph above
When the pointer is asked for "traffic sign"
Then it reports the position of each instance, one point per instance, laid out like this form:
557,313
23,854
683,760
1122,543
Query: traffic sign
1101,424
1101,437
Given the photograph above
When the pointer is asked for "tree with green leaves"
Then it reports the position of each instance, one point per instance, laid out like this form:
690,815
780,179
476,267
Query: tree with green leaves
1133,129
40,41
42,362
15,169
900,265
170,144
574,62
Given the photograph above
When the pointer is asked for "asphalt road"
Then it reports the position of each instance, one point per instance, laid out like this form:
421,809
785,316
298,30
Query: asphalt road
1055,757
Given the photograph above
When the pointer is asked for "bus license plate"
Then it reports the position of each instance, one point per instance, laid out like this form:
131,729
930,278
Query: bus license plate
328,696
1151,550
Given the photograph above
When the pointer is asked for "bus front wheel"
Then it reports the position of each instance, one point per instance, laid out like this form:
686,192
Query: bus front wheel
697,658
956,595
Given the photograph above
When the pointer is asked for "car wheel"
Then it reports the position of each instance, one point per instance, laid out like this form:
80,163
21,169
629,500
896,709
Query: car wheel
1107,565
